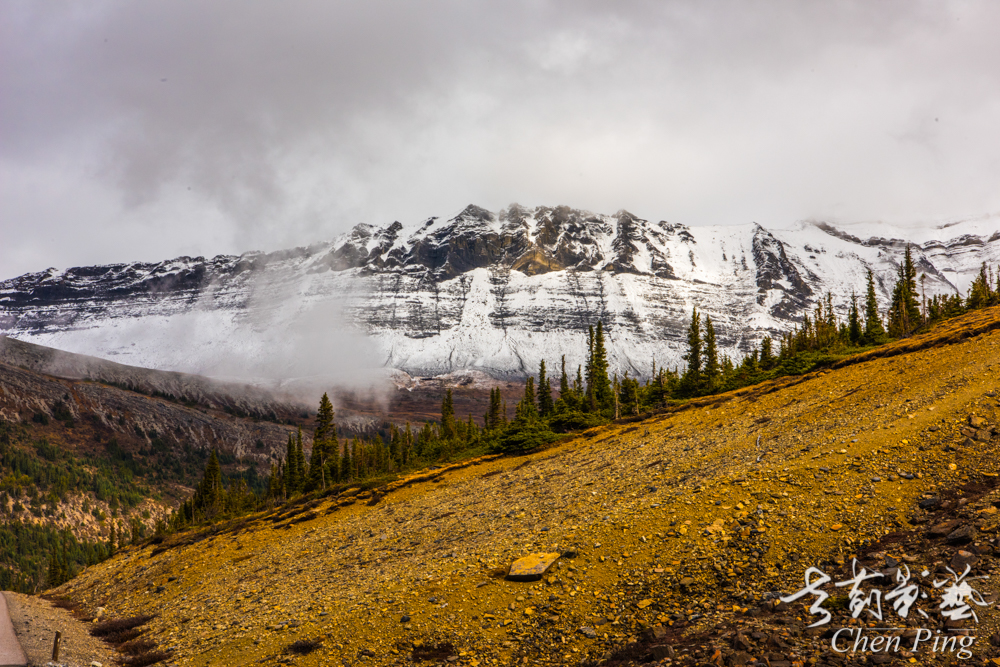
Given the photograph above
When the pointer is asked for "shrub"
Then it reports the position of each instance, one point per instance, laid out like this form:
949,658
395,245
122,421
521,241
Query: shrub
118,625
524,437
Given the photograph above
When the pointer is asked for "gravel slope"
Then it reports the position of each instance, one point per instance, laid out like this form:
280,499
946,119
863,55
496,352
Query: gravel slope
685,522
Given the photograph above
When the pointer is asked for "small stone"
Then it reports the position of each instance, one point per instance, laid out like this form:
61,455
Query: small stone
836,526
976,422
532,567
404,619
962,535
642,604
945,528
962,559
952,466
588,632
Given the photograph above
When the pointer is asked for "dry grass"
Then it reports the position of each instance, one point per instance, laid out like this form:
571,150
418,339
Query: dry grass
145,659
137,647
119,626
304,646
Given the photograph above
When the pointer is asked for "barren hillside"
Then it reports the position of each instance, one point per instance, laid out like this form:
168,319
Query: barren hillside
677,533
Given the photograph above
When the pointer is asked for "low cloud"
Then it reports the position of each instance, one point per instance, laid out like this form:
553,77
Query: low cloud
146,130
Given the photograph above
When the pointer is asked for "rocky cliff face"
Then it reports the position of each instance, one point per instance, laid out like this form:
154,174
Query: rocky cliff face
494,292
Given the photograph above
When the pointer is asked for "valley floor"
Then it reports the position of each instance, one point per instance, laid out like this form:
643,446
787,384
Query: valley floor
678,531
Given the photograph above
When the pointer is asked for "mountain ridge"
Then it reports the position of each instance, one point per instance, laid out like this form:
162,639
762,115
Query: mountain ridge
490,291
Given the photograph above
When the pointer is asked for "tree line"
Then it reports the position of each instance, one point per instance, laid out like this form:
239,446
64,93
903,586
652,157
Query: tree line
588,397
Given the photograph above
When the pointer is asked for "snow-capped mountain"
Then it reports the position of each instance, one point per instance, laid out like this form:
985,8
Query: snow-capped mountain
493,292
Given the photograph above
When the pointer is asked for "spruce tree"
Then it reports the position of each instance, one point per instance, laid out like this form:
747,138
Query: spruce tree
712,370
602,391
394,443
209,495
291,469
854,332
980,294
496,407
324,432
545,405
448,430
874,331
527,409
904,313
563,380
766,356
692,380
590,402
324,419
300,461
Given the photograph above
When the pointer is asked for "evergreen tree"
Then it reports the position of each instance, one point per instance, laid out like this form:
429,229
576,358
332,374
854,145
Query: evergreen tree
590,402
448,430
495,414
324,419
599,390
274,485
854,332
563,380
980,294
766,356
300,461
209,495
527,409
692,379
545,405
291,469
471,431
874,331
394,442
712,373
904,313
324,439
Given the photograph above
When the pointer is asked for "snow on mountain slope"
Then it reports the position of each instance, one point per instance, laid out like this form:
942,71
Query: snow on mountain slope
495,292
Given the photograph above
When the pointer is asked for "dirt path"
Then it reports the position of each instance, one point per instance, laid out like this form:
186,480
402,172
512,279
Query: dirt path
36,622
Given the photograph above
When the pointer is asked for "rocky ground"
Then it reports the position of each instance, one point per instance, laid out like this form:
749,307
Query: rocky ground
679,534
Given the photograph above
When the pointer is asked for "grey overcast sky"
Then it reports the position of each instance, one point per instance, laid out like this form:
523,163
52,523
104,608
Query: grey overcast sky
146,130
